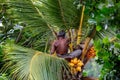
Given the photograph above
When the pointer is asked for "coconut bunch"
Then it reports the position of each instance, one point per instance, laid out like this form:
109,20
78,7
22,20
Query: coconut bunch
75,65
91,53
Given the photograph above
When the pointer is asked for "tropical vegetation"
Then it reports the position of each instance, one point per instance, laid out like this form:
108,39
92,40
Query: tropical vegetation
28,27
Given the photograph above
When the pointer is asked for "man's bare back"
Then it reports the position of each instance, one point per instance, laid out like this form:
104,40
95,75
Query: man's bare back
61,46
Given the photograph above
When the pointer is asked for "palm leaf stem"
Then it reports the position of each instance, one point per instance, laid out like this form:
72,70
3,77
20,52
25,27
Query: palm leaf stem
36,54
19,36
36,8
46,46
53,31
40,14
88,39
62,14
71,38
80,26
26,41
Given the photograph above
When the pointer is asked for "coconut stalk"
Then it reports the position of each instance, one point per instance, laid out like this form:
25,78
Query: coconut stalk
71,40
87,41
80,26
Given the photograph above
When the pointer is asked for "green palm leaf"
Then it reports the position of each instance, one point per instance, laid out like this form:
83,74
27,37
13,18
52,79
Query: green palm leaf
36,31
59,14
27,64
39,12
105,33
39,17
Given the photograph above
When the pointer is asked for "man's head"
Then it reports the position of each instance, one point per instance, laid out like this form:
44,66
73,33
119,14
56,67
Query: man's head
61,33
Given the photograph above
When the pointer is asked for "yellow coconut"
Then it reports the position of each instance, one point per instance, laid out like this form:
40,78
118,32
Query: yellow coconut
75,61
71,64
78,68
80,64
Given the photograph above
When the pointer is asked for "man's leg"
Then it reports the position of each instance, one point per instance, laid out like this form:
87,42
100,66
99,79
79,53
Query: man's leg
73,54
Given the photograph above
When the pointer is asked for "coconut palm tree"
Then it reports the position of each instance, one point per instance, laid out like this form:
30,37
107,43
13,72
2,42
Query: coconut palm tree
34,18
39,19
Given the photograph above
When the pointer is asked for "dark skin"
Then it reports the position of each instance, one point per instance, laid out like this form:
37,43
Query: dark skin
60,46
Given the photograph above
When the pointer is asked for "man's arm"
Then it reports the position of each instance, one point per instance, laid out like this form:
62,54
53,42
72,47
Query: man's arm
52,48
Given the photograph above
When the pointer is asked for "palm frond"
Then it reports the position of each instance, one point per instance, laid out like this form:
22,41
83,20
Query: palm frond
109,32
28,64
61,13
39,15
25,12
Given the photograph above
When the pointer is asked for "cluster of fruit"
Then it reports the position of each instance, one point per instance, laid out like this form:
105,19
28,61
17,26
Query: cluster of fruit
91,53
75,65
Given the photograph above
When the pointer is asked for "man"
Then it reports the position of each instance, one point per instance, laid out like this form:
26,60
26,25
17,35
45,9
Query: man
61,46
